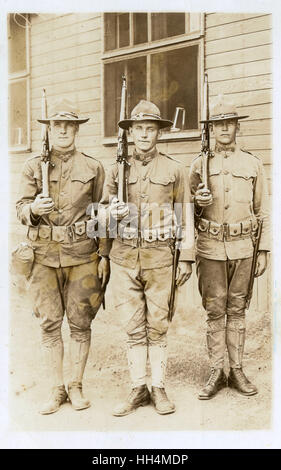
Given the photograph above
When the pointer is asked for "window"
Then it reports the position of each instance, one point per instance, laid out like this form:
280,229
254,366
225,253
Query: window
160,54
18,93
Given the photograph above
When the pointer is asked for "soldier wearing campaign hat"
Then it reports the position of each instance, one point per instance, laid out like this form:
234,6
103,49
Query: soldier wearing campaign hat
226,221
70,269
142,254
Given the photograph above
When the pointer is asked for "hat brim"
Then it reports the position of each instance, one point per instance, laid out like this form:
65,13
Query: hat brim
126,123
78,121
224,118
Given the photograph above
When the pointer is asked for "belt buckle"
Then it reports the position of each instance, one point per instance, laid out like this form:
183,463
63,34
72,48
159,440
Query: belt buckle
225,231
70,232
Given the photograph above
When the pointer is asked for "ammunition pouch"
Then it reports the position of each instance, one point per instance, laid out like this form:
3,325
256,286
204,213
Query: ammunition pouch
228,232
59,233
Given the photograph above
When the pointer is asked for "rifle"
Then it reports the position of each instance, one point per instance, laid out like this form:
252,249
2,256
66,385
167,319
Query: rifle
45,152
122,148
205,136
176,256
254,263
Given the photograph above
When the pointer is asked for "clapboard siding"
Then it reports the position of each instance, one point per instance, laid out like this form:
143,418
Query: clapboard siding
66,51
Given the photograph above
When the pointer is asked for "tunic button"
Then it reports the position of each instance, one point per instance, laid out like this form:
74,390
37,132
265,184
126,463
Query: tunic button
226,172
144,178
227,189
143,195
226,206
60,211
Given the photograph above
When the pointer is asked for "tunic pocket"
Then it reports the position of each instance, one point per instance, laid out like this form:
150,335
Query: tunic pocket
81,192
243,185
162,188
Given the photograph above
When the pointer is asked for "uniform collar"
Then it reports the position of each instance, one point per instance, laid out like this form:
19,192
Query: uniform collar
145,158
65,156
225,148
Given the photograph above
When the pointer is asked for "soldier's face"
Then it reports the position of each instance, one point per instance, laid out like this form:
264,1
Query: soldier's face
144,135
225,131
63,134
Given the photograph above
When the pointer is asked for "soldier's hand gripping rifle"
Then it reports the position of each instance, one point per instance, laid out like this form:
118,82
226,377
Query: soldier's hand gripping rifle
205,137
254,263
45,152
122,148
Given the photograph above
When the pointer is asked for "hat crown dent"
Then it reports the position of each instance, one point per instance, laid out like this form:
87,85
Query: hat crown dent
146,108
223,106
63,105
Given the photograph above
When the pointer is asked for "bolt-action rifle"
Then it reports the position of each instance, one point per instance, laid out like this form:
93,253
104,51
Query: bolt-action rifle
45,152
122,148
205,136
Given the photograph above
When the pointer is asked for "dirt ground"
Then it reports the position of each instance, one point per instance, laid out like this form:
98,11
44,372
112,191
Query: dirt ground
107,380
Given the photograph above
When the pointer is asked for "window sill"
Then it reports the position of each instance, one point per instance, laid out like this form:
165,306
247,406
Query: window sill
165,137
23,149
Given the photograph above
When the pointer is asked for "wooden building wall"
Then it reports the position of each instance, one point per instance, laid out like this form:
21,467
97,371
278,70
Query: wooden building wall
65,58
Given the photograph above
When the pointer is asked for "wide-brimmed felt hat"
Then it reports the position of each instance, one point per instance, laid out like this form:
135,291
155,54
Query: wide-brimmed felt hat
145,111
63,109
223,108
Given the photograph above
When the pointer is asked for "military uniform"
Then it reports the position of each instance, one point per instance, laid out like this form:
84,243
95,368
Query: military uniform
65,272
224,245
141,256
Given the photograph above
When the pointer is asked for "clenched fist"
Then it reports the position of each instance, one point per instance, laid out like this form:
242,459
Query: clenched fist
42,205
203,197
118,210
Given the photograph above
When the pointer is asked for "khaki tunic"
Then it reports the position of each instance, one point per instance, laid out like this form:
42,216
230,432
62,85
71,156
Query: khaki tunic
75,181
159,180
238,185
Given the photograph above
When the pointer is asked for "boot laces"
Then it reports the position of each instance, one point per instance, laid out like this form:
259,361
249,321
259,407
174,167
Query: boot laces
213,377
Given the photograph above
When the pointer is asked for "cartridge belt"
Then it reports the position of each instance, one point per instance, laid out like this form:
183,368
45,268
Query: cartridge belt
228,232
59,233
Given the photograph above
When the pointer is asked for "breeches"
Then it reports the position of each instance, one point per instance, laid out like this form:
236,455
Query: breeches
141,299
223,286
75,290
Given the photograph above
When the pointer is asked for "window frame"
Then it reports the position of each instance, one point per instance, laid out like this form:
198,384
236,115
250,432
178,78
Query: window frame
23,75
147,49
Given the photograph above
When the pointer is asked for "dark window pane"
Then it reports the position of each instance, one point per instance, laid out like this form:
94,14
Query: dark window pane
165,25
140,28
17,113
124,30
110,22
135,71
174,82
17,46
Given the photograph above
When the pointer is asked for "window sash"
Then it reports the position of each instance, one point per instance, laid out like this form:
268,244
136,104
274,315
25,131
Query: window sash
194,28
19,76
166,136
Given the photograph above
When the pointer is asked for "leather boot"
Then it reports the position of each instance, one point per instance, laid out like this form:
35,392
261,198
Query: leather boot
235,340
161,402
216,382
76,397
79,351
57,397
139,396
238,380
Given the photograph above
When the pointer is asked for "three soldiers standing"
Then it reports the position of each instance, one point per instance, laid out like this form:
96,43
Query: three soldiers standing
71,270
